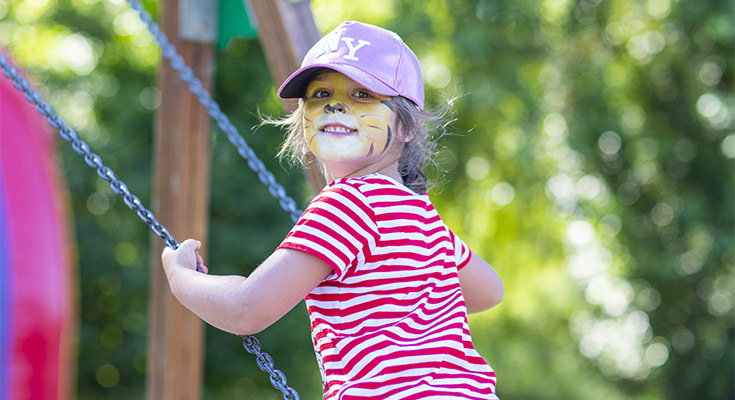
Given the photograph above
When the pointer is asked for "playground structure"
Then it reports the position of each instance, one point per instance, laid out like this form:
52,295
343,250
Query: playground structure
286,31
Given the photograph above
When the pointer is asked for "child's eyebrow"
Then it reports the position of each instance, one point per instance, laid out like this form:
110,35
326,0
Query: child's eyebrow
316,85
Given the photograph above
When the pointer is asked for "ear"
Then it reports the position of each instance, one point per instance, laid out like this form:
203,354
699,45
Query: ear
405,135
400,128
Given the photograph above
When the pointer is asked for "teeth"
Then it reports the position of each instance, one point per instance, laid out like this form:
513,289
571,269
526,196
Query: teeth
336,129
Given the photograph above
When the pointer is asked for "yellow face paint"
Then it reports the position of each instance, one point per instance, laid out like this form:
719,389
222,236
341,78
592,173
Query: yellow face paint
343,121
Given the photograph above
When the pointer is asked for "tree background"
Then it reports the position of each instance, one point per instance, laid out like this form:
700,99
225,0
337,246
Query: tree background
591,162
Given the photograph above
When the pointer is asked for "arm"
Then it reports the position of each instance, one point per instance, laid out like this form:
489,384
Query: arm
237,304
481,286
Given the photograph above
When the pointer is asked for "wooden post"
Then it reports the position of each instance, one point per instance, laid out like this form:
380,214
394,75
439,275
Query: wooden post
181,202
286,31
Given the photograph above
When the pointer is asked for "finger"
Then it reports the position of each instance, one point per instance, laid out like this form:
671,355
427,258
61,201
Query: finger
190,244
204,268
200,260
166,253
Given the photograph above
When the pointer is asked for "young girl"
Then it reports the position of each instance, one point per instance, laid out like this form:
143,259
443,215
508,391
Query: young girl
387,285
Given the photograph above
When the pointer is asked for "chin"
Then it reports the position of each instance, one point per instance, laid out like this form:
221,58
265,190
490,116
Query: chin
340,157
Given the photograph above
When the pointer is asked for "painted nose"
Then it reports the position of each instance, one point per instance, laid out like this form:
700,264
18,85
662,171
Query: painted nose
337,108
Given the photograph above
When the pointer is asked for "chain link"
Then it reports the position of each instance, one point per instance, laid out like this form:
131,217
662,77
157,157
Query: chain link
265,363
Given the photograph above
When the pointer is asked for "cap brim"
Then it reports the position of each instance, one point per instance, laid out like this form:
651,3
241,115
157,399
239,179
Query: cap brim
294,87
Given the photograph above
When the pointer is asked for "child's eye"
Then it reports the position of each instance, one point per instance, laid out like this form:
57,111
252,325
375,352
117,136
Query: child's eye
321,94
361,94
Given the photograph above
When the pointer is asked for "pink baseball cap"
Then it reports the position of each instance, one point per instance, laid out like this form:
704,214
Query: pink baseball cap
374,57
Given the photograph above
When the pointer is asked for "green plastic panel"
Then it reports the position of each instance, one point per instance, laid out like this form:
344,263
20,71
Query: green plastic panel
234,21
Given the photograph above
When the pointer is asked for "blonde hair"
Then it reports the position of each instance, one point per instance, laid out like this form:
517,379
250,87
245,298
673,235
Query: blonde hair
419,125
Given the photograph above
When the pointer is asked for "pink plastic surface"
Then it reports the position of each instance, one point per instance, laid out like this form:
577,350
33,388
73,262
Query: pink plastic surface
36,271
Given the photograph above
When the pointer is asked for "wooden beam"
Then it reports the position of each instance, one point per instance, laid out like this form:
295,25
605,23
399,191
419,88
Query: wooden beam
286,31
181,202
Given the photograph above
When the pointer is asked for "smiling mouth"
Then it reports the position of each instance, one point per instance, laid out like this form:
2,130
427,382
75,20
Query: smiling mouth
334,129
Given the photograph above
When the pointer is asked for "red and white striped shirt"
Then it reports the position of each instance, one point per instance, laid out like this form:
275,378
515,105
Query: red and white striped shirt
390,322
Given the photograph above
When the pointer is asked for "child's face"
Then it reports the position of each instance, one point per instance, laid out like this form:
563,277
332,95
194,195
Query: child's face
344,122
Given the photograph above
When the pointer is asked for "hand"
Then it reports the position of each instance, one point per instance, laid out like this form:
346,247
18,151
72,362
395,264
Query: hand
186,256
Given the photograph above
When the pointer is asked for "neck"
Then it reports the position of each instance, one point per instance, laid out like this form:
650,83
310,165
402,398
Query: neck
333,172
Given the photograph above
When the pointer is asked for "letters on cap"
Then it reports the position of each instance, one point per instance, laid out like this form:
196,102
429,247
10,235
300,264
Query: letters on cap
374,57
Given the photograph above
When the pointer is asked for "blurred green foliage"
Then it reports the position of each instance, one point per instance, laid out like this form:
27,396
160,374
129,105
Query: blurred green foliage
590,163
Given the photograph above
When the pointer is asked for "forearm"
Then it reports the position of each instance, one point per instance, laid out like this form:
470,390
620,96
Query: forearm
220,300
235,304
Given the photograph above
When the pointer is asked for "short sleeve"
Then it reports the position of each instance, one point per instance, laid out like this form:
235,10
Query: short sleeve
462,253
338,227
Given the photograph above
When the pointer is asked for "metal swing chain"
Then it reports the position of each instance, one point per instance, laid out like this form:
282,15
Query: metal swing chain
251,344
233,135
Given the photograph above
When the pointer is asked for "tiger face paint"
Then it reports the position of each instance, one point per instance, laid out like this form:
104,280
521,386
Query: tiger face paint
344,122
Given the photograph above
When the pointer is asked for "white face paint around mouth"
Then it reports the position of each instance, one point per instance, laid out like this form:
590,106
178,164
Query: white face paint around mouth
336,140
339,147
